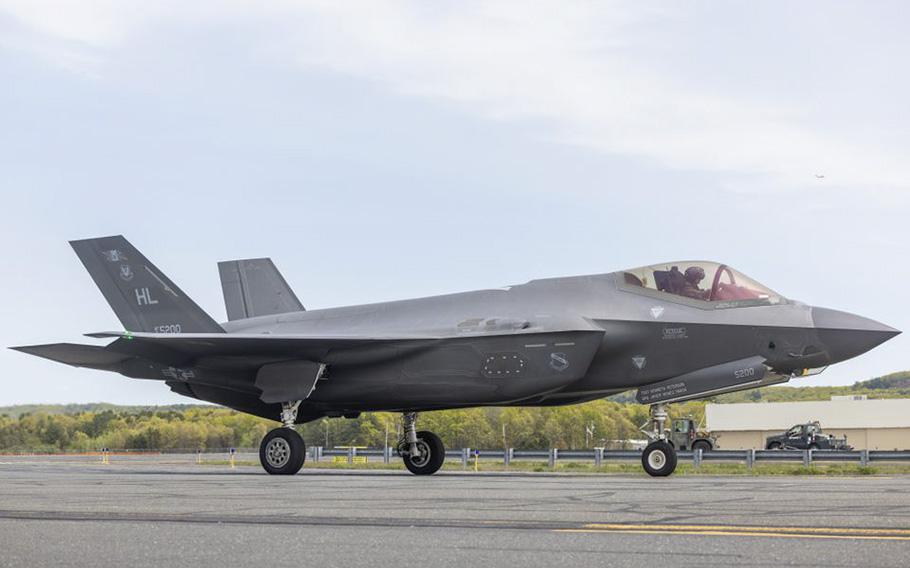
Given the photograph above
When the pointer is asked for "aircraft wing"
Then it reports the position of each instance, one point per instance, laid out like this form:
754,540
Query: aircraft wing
183,348
187,348
286,367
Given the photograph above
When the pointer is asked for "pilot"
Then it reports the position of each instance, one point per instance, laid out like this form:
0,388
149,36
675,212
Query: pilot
690,289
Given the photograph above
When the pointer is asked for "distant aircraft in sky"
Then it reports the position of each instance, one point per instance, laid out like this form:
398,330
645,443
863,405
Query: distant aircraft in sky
676,331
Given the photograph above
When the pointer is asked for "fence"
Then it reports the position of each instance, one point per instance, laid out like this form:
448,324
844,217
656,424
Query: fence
467,456
600,456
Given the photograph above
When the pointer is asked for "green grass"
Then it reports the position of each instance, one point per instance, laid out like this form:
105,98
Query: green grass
785,469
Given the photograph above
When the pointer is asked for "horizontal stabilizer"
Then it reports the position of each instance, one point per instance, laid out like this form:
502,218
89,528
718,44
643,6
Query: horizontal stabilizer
254,287
76,355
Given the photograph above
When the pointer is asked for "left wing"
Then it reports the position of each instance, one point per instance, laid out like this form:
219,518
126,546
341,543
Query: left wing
186,348
286,367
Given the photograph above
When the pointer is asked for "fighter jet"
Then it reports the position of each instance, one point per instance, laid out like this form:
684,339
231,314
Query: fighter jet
675,331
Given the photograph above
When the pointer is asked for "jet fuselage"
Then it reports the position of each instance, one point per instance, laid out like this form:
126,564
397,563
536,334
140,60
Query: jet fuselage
648,337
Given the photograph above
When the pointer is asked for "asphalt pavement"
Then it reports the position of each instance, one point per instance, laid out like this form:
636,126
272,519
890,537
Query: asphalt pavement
150,512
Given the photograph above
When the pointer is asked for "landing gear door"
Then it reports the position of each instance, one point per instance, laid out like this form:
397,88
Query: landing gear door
287,381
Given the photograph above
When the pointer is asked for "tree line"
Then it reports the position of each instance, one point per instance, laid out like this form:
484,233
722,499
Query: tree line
608,422
597,423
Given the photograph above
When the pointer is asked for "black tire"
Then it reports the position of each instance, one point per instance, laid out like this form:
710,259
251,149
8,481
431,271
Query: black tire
659,459
775,446
433,454
282,452
703,445
813,446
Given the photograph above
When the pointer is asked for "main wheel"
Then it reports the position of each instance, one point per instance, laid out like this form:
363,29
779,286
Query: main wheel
659,459
702,445
775,446
282,452
432,454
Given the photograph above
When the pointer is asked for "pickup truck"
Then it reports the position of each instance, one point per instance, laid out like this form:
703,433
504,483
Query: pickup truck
807,436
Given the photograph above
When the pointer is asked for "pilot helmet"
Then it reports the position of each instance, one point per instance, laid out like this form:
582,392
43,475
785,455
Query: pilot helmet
695,274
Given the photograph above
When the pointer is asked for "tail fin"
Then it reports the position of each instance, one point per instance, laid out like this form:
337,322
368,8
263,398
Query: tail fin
143,298
254,287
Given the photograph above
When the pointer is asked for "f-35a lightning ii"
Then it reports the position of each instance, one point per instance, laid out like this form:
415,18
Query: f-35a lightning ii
675,332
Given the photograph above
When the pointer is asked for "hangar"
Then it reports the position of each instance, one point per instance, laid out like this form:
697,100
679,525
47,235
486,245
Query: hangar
876,424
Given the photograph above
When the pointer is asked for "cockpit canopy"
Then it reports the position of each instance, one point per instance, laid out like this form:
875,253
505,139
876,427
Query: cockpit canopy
701,281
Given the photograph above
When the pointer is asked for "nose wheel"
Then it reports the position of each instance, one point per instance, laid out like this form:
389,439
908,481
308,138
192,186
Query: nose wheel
423,452
659,459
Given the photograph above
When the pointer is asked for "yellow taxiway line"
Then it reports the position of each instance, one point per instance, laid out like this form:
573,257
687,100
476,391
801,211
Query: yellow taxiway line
759,531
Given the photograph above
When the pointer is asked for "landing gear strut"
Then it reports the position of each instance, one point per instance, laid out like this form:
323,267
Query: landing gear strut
659,457
282,451
422,452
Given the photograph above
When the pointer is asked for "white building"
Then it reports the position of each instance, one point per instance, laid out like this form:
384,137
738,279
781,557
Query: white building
880,424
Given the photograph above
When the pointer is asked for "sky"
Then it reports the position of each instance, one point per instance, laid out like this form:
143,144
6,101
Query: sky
387,150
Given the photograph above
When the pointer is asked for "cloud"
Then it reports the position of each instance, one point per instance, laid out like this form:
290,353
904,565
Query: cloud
95,23
586,74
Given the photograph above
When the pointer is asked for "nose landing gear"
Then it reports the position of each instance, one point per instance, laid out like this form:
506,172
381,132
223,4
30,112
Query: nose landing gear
422,452
659,457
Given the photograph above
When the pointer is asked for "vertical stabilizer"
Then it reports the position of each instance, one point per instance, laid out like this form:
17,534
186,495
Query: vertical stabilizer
254,287
143,298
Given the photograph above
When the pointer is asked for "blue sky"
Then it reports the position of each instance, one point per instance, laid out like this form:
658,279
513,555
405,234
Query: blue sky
388,150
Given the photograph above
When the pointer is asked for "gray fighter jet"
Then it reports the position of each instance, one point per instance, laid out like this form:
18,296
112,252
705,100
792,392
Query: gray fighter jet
677,331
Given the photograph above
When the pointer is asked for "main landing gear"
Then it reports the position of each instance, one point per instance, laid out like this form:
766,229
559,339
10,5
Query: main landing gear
422,452
659,457
282,451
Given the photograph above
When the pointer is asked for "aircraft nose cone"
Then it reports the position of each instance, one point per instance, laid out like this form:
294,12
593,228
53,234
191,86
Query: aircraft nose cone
847,335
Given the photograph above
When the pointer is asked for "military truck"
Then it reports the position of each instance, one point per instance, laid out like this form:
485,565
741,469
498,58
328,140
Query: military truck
808,436
685,435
